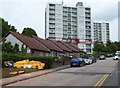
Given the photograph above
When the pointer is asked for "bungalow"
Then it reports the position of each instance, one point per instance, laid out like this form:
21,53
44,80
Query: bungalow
40,47
33,47
54,50
80,51
66,50
74,52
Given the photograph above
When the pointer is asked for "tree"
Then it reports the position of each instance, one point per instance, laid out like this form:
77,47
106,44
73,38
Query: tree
7,47
29,32
110,47
98,47
16,49
23,50
6,27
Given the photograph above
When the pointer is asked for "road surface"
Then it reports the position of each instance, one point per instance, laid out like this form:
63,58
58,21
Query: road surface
97,74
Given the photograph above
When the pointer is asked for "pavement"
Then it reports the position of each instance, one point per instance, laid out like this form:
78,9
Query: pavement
26,76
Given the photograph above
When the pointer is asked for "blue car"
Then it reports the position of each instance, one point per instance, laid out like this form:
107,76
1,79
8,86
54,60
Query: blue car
77,62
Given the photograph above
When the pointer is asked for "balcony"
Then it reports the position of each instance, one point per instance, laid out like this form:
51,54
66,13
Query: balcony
87,24
87,19
65,32
74,14
51,26
88,37
52,31
52,35
88,47
74,37
52,21
52,16
52,7
87,15
74,19
65,23
88,33
87,11
88,27
51,11
69,14
65,15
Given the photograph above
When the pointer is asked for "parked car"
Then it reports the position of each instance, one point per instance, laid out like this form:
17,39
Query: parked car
87,60
109,55
77,62
94,59
102,57
116,57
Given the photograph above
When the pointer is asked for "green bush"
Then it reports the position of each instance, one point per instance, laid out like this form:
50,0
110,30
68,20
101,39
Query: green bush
14,57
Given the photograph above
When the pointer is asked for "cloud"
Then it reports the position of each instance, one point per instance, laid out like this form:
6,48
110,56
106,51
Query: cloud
114,30
31,13
104,11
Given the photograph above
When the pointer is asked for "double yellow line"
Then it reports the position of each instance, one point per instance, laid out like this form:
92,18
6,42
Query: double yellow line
101,81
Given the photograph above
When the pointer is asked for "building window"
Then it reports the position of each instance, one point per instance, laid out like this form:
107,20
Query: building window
41,54
33,51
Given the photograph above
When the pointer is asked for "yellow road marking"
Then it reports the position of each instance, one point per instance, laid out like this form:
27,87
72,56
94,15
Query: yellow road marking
101,81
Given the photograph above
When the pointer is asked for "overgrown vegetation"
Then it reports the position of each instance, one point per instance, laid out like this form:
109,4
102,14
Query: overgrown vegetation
109,48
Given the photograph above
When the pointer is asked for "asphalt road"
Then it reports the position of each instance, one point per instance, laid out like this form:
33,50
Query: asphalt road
104,72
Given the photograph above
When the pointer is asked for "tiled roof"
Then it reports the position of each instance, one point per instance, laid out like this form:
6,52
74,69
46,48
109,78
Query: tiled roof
30,42
76,47
60,45
70,47
48,44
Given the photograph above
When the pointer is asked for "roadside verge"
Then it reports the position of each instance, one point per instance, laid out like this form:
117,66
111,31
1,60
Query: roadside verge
26,76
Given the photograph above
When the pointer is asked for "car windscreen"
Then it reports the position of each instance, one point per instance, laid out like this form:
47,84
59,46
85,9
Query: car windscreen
74,59
88,57
80,59
84,58
102,56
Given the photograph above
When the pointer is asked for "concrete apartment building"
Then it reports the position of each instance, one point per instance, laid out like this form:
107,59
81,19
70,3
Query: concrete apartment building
101,32
70,24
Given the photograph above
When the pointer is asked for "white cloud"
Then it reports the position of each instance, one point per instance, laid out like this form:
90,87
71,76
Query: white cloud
114,30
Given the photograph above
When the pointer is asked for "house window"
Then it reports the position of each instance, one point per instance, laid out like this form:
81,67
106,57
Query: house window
41,54
33,51
52,54
57,54
46,54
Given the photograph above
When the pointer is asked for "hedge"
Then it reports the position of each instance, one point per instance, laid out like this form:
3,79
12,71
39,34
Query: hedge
48,60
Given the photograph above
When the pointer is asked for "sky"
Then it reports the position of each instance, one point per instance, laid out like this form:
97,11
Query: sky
31,13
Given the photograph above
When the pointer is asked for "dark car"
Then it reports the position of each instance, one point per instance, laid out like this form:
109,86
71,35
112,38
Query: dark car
109,55
102,57
94,59
77,62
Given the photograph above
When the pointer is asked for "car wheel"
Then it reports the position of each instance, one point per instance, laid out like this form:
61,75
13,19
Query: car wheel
80,65
71,65
84,64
